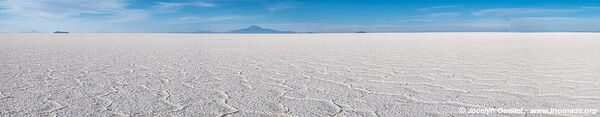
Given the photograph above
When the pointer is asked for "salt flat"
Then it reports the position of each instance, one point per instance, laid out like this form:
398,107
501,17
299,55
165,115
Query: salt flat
390,74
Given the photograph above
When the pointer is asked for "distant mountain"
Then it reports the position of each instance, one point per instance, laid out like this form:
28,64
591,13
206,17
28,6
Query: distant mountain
61,32
257,29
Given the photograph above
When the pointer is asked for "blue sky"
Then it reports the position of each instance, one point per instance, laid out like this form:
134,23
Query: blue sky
299,15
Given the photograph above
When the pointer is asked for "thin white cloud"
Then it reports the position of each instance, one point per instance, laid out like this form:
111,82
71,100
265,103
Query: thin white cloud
174,6
543,19
556,24
591,7
556,20
443,15
503,12
68,15
128,15
200,19
168,5
279,6
438,7
203,4
57,10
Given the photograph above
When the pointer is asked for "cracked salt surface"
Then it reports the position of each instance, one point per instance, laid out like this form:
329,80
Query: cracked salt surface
411,74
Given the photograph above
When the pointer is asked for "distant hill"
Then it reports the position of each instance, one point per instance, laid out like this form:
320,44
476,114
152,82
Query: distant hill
61,32
257,29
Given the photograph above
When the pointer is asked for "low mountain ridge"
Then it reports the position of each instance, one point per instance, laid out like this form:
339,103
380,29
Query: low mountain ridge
257,29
